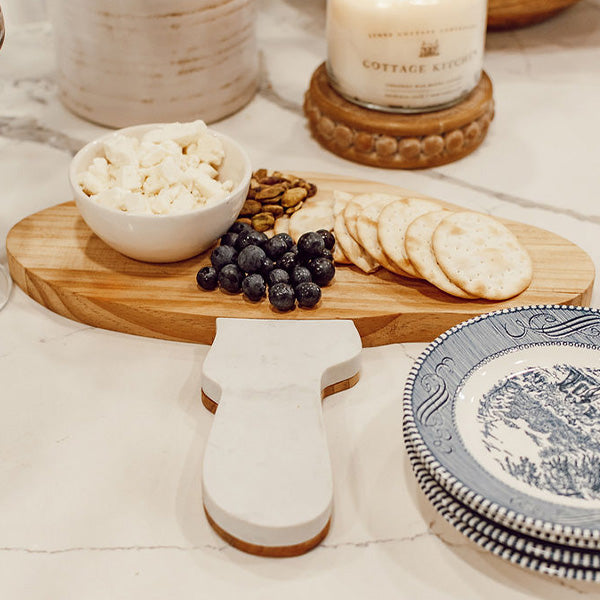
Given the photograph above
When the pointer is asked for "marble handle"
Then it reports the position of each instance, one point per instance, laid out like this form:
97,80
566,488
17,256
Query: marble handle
267,480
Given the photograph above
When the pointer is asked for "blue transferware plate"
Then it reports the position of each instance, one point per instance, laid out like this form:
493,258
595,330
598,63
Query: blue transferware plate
526,551
504,412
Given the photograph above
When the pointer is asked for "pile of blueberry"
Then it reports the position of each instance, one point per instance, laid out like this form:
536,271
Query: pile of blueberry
248,261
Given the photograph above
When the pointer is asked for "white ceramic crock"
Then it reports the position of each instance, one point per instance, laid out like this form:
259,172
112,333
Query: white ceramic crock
127,62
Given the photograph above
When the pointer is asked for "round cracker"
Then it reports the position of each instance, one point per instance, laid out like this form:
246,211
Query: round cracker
417,243
311,217
394,219
339,256
351,248
355,206
482,256
366,228
340,200
282,225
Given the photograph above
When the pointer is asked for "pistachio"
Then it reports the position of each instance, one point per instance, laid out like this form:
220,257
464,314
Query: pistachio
251,207
293,196
263,221
273,194
292,209
273,180
271,191
310,188
275,209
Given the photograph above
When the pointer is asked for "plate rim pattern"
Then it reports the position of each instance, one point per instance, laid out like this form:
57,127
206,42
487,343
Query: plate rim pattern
500,512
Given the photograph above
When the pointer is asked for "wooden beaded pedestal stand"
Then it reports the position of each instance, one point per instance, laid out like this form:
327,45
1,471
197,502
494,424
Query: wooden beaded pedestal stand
508,14
397,141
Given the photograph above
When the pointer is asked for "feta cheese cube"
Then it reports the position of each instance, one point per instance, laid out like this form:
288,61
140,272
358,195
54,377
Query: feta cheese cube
96,178
205,185
161,203
151,153
117,198
207,148
181,133
128,178
121,150
182,200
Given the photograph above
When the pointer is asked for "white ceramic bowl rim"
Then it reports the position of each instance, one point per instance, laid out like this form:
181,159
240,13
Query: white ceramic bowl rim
75,170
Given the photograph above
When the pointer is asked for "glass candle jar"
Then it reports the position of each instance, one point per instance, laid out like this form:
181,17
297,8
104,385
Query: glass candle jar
405,55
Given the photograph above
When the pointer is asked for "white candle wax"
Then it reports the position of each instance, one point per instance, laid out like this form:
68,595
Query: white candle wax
405,55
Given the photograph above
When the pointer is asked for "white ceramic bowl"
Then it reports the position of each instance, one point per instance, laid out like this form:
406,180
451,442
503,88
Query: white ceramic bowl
163,238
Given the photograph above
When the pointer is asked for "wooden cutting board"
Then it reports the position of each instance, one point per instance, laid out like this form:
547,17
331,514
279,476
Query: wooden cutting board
56,259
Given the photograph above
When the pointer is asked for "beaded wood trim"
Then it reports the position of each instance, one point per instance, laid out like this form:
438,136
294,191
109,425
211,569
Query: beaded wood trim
397,141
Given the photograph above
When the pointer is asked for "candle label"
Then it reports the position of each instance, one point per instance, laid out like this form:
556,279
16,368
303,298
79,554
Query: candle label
373,61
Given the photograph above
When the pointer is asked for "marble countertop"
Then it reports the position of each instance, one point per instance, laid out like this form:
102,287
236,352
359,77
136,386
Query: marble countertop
103,433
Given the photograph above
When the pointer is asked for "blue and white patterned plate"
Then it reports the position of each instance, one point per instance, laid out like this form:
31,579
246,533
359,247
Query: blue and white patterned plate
504,412
528,552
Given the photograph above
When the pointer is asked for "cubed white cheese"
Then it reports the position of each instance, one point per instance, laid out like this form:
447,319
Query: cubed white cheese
208,148
161,203
181,133
205,185
172,169
96,178
182,200
128,177
121,150
120,199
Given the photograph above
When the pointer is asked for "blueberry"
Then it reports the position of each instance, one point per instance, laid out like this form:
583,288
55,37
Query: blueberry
327,254
254,287
276,247
278,276
266,267
287,238
293,249
282,297
300,274
230,278
250,259
229,239
308,294
238,227
322,271
311,244
250,237
328,238
288,261
223,255
207,278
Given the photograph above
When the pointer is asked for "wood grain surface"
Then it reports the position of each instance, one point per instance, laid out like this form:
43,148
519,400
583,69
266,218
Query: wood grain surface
60,263
508,14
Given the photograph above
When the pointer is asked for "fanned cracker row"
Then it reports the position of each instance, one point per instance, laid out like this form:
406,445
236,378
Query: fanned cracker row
417,243
352,249
356,205
366,228
482,256
394,220
340,200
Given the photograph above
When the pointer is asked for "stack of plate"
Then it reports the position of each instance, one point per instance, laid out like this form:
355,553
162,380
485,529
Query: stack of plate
502,427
